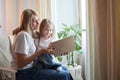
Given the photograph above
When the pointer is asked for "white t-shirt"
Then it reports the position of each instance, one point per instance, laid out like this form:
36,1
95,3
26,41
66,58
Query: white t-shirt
42,44
24,44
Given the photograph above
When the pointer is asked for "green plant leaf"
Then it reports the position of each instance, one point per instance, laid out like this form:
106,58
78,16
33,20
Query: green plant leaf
76,31
59,58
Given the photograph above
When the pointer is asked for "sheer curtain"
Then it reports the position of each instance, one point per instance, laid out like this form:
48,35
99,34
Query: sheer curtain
104,39
10,11
2,18
44,8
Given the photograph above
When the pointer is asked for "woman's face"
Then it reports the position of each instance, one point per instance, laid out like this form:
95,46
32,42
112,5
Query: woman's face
47,30
35,22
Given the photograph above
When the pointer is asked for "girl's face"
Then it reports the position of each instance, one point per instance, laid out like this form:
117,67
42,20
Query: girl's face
47,30
35,22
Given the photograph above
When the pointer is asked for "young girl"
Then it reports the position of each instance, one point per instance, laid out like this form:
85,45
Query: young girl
46,35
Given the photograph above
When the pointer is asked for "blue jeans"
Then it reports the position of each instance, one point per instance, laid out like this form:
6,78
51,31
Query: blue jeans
45,61
42,74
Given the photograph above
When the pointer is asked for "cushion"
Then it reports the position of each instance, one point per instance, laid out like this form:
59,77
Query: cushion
5,56
13,62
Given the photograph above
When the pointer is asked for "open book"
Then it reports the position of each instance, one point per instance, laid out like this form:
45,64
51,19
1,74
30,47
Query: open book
63,45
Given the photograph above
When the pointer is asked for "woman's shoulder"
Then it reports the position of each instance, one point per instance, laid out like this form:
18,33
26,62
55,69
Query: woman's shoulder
23,34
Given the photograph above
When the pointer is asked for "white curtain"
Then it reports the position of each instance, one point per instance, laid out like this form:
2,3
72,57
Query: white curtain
2,17
44,8
10,11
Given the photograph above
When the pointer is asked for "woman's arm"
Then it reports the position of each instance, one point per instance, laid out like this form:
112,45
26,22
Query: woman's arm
23,60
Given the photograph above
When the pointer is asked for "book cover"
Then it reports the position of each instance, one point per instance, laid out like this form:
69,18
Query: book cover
63,45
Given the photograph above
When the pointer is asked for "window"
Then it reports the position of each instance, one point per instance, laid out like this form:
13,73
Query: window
72,12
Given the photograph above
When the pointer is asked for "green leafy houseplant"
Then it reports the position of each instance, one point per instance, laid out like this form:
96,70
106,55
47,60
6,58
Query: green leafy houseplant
72,30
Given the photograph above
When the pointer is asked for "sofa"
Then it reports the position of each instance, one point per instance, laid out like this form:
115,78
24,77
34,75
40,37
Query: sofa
7,70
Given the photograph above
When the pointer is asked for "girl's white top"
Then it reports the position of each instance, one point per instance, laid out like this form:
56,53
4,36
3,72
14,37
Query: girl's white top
42,44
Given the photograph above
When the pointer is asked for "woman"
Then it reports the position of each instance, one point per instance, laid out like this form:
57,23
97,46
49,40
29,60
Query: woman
24,48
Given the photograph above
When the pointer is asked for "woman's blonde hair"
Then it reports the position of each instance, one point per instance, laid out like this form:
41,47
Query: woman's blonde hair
45,22
26,19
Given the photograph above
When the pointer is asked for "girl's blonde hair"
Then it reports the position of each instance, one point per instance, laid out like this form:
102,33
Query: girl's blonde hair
26,19
45,22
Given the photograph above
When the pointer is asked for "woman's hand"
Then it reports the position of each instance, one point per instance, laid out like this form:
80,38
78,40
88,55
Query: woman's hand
51,48
42,51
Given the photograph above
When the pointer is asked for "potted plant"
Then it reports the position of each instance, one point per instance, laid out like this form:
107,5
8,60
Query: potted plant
75,31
